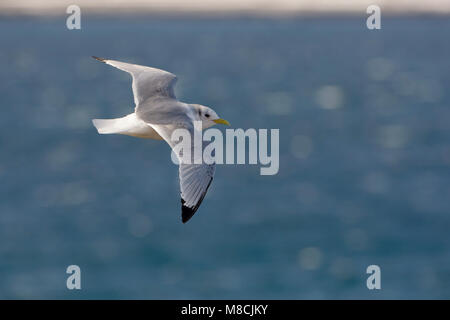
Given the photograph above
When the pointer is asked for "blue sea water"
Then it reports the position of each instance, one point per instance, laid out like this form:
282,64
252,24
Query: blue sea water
364,173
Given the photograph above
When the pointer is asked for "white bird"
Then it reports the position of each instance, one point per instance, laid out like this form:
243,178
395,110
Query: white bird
156,115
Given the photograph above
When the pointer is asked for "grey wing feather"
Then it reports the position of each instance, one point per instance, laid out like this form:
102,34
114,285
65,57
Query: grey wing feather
164,111
147,81
195,179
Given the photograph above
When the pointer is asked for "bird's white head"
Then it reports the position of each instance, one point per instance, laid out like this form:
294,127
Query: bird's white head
207,116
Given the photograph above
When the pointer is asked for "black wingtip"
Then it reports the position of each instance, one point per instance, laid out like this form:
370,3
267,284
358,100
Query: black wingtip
99,59
186,212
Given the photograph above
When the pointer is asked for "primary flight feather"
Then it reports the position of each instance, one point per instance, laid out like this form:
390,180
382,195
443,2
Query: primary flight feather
156,115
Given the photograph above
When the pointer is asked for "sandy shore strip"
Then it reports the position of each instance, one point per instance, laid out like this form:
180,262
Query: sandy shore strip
224,7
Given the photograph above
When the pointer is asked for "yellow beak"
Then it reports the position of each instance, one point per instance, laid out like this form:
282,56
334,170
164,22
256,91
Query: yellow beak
222,121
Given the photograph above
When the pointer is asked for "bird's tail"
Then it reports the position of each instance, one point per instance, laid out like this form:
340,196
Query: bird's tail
129,125
109,126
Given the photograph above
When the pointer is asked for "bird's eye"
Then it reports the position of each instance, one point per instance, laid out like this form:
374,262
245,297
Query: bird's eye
207,115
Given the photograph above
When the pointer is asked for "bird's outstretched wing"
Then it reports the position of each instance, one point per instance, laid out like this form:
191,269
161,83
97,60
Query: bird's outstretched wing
195,179
147,82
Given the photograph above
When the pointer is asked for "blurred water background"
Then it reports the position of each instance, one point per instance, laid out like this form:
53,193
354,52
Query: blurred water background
364,160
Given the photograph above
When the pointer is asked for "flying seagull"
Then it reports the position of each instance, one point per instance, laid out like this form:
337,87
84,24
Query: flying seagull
156,115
